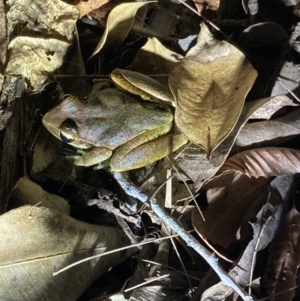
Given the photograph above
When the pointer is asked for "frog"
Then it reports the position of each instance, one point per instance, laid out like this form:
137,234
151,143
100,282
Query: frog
112,124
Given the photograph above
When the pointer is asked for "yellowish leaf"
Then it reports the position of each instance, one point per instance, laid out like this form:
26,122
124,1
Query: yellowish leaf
119,23
210,86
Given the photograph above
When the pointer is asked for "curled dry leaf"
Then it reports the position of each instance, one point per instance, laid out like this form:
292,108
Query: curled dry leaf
269,132
273,105
228,197
284,258
210,86
264,162
35,242
119,23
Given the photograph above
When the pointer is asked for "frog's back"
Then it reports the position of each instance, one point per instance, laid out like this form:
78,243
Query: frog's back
115,117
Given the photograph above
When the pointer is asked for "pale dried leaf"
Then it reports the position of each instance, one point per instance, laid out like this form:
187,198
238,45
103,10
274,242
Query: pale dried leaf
264,162
228,197
284,258
273,105
35,242
86,7
269,132
34,58
210,86
119,23
26,192
287,80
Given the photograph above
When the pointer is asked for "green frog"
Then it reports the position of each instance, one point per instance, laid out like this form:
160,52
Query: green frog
113,124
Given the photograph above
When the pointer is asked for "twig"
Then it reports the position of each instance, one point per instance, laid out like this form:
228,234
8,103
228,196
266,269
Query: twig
190,240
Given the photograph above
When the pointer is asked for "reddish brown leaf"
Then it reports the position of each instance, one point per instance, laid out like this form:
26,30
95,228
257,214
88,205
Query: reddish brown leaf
264,162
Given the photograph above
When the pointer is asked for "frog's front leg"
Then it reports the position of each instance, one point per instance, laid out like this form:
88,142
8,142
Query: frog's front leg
93,157
142,151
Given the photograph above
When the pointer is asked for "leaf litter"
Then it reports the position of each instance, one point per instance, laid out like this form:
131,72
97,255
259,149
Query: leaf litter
222,94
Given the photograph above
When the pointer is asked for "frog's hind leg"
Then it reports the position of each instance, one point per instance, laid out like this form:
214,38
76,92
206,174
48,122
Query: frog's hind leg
141,152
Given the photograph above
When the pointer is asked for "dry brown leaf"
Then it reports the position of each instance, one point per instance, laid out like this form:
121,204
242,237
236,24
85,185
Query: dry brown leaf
269,132
86,7
119,23
35,242
273,105
284,258
228,197
264,162
210,86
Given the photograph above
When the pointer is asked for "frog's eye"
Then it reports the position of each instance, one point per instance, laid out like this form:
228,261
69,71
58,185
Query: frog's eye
68,131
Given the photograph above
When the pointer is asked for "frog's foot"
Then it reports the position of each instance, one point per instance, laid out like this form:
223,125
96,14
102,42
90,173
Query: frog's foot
147,153
92,157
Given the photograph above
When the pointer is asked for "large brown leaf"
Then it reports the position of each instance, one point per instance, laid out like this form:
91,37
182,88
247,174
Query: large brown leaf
193,161
210,86
35,242
264,162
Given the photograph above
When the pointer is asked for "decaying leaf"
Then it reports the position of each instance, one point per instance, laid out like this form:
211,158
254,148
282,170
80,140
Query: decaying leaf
43,40
35,242
119,23
228,197
264,162
210,86
284,258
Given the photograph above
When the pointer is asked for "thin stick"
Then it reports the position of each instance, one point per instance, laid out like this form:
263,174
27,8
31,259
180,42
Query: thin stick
176,227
